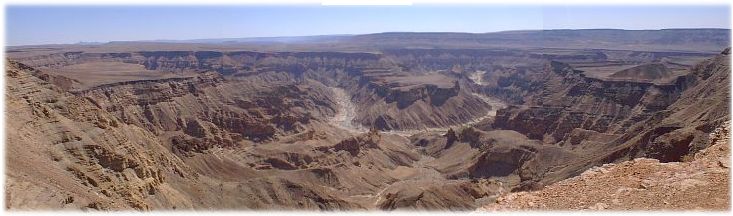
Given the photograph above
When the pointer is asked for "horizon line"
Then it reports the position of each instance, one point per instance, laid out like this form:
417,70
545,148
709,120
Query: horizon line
173,41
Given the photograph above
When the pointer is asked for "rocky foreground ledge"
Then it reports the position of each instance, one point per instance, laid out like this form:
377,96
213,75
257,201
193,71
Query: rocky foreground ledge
702,183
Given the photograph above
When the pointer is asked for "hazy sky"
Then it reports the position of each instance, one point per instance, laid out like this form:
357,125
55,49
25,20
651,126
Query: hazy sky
71,24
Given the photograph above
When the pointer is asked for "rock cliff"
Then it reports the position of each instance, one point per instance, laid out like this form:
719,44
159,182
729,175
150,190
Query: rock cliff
703,183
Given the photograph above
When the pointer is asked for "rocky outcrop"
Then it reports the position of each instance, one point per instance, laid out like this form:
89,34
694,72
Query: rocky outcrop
502,162
354,145
454,196
450,138
641,184
431,94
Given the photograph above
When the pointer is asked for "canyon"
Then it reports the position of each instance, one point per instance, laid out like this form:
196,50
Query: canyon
388,121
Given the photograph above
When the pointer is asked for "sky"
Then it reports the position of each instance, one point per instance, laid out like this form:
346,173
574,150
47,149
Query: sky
28,25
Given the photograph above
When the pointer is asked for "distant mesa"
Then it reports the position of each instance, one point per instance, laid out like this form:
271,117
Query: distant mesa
651,71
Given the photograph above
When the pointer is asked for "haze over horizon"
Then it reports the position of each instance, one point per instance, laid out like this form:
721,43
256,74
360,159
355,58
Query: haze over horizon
32,25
